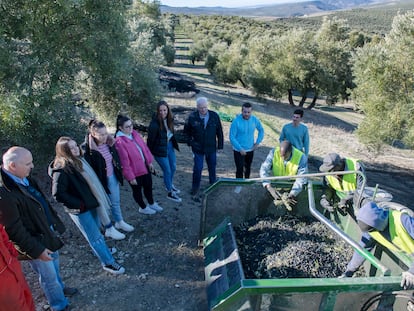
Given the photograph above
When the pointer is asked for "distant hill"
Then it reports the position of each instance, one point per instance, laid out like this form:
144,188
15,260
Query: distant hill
277,10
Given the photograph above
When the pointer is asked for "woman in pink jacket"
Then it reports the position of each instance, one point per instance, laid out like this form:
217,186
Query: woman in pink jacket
136,160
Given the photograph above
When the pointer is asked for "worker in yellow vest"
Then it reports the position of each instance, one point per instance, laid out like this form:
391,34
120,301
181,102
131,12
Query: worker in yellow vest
340,189
394,229
285,161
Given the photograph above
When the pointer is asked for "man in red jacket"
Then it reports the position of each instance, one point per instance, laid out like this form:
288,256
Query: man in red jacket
14,292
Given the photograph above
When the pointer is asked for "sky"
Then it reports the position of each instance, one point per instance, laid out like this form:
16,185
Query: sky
223,3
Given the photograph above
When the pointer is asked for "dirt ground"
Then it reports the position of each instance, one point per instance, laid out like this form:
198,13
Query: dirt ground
163,262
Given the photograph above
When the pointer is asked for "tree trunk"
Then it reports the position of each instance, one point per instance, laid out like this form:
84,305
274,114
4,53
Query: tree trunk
241,81
302,100
313,103
290,97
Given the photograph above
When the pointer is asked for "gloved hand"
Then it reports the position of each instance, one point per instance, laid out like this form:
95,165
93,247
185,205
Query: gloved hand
292,200
325,204
346,274
272,191
343,203
410,306
407,281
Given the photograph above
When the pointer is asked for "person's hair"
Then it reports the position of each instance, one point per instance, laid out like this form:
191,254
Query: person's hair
201,100
287,145
9,157
299,112
247,105
120,120
64,157
95,125
170,118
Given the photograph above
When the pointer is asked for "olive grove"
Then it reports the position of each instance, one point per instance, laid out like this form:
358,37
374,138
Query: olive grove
64,61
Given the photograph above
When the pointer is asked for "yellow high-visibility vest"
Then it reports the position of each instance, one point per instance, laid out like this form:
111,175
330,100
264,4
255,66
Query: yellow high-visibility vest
400,239
349,181
291,168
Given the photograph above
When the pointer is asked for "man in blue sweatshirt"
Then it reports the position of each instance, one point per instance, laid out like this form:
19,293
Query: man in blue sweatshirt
242,138
296,132
390,228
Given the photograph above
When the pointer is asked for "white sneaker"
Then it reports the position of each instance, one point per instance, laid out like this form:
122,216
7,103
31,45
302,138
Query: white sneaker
124,226
155,207
115,268
177,191
114,234
146,211
174,197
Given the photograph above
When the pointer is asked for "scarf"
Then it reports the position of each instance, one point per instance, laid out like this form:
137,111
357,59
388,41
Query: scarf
97,189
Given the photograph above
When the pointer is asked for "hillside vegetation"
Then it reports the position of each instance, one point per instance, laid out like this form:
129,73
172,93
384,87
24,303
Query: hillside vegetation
335,62
362,15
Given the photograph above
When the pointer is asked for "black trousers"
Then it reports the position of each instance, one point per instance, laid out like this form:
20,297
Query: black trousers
144,182
243,163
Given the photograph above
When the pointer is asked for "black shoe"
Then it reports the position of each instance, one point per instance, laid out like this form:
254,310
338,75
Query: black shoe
70,291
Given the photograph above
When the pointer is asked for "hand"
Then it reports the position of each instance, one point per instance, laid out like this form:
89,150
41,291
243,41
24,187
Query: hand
292,199
325,204
288,200
407,281
343,203
133,182
272,191
151,168
242,152
45,255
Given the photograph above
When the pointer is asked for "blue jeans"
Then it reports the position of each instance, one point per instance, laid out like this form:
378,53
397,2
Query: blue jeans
50,281
115,197
88,223
211,159
168,166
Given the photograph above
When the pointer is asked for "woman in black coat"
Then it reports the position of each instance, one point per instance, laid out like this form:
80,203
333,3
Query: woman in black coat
77,187
161,142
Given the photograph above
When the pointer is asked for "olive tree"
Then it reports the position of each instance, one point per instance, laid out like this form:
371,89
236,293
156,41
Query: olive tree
334,60
58,58
385,86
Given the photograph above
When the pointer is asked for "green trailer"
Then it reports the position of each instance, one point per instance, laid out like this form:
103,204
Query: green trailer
230,202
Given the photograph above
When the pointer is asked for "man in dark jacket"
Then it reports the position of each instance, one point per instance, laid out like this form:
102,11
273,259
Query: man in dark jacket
205,136
32,224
